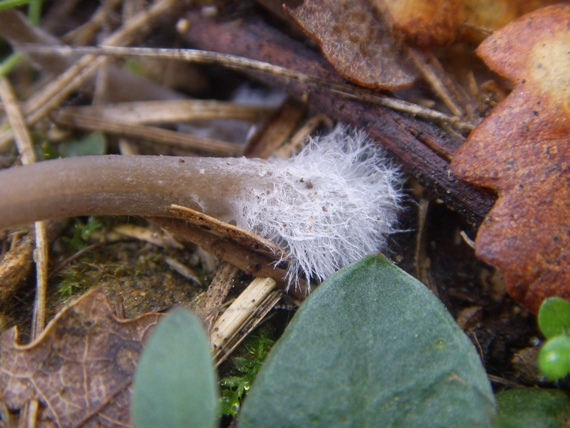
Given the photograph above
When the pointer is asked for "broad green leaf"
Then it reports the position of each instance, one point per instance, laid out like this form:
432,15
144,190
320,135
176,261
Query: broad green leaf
91,144
175,383
554,317
533,408
371,347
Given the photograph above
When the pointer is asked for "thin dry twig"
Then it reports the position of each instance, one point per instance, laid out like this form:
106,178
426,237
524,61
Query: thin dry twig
217,292
45,100
433,77
156,237
240,63
170,111
26,149
277,130
243,309
300,136
149,133
83,34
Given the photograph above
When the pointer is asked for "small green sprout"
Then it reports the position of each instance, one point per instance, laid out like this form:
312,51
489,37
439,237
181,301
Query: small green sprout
554,323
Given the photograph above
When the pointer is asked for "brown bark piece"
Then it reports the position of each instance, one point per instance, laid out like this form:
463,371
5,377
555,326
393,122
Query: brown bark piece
80,368
522,150
356,42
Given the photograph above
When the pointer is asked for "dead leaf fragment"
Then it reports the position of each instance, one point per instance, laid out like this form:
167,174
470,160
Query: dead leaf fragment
80,368
522,150
356,42
425,23
495,14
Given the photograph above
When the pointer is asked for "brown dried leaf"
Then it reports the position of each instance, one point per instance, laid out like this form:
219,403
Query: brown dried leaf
356,42
428,23
495,14
80,368
425,23
522,150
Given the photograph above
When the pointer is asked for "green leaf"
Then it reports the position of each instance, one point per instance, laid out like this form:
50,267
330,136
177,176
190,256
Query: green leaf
175,383
91,144
532,408
554,357
554,317
371,347
9,4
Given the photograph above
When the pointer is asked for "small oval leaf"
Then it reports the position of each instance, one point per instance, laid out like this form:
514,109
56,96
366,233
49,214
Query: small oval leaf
554,357
371,347
554,317
175,383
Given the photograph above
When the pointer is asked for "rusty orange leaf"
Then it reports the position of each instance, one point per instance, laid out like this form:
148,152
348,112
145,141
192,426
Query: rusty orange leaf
356,41
425,23
428,23
522,150
80,369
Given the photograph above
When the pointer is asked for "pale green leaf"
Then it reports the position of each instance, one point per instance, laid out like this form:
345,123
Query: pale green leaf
371,347
175,383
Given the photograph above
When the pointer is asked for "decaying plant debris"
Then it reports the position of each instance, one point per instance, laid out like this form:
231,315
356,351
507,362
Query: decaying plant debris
178,108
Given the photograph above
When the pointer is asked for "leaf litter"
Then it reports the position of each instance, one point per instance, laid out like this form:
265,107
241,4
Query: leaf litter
521,150
16,348
356,42
80,368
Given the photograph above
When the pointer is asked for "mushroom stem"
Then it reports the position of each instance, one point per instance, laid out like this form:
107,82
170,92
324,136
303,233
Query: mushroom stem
330,205
122,185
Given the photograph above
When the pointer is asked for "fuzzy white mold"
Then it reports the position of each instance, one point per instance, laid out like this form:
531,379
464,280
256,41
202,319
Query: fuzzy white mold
330,205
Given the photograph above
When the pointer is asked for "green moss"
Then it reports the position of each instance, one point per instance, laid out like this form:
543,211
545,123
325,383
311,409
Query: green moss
81,233
246,363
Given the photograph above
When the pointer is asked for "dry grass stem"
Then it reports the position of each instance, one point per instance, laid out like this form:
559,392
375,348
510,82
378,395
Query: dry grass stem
248,326
300,136
17,122
51,96
277,130
182,269
240,63
170,111
122,85
155,237
41,256
429,73
158,135
239,312
85,33
16,29
217,292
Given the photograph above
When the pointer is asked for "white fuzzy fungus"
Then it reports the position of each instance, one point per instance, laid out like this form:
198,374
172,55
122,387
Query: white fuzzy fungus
332,204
